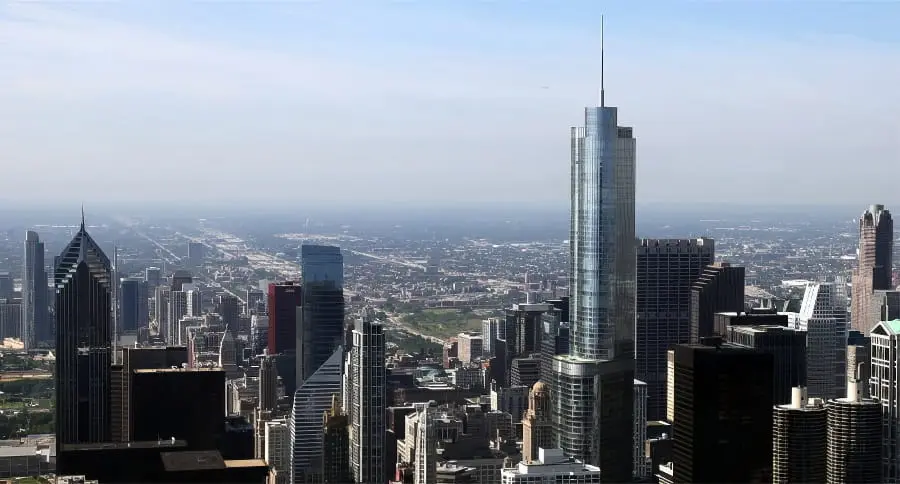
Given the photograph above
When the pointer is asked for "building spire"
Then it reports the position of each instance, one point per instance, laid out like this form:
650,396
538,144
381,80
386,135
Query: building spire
602,90
82,217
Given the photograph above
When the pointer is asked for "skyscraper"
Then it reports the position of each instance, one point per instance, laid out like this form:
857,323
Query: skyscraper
666,270
873,270
36,327
268,383
799,439
723,414
322,314
367,401
855,446
537,427
335,445
228,308
133,304
285,313
719,289
885,386
311,401
83,280
592,398
823,315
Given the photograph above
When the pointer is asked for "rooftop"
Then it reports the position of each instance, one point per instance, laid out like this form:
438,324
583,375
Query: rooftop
178,370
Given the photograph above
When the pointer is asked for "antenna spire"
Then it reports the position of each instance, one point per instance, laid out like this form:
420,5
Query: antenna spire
602,90
82,216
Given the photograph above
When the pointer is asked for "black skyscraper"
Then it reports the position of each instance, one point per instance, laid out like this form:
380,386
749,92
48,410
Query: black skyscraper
720,288
723,414
83,344
788,350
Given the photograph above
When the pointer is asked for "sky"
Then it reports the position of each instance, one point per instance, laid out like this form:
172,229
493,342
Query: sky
444,103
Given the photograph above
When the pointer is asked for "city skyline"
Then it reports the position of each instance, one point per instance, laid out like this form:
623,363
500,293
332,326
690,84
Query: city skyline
237,95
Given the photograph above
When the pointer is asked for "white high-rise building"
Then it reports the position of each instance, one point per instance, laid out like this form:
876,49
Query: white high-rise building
552,467
641,466
885,387
311,401
426,446
823,315
194,299
278,447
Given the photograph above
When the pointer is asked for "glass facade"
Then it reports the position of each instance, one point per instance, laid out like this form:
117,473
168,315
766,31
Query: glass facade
602,238
592,387
322,263
83,280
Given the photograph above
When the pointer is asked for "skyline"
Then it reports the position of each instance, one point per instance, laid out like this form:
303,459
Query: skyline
197,97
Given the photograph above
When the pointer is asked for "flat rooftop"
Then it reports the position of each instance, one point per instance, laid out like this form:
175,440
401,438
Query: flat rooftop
179,370
146,444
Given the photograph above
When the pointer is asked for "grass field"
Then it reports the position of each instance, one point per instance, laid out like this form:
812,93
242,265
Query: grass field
443,323
42,404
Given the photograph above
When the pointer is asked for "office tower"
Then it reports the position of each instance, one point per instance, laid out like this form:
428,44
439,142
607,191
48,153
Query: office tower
336,445
259,333
788,349
884,306
36,326
194,300
367,401
185,403
277,451
666,271
134,359
10,319
285,312
719,289
180,278
885,388
6,285
311,401
554,335
522,328
425,464
471,347
161,300
153,277
489,328
268,383
525,371
178,309
593,387
823,315
859,362
196,253
322,307
856,449
552,467
83,280
640,469
723,414
874,266
228,308
133,304
537,426
799,439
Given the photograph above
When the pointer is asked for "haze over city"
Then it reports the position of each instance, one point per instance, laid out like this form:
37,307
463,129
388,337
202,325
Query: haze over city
443,103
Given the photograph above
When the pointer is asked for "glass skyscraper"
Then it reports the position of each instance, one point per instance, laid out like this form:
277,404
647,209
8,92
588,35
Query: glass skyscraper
593,386
83,280
322,315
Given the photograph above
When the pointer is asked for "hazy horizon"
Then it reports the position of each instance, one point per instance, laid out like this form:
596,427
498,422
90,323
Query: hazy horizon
443,104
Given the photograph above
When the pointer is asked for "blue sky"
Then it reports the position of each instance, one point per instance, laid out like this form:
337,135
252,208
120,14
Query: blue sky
443,102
